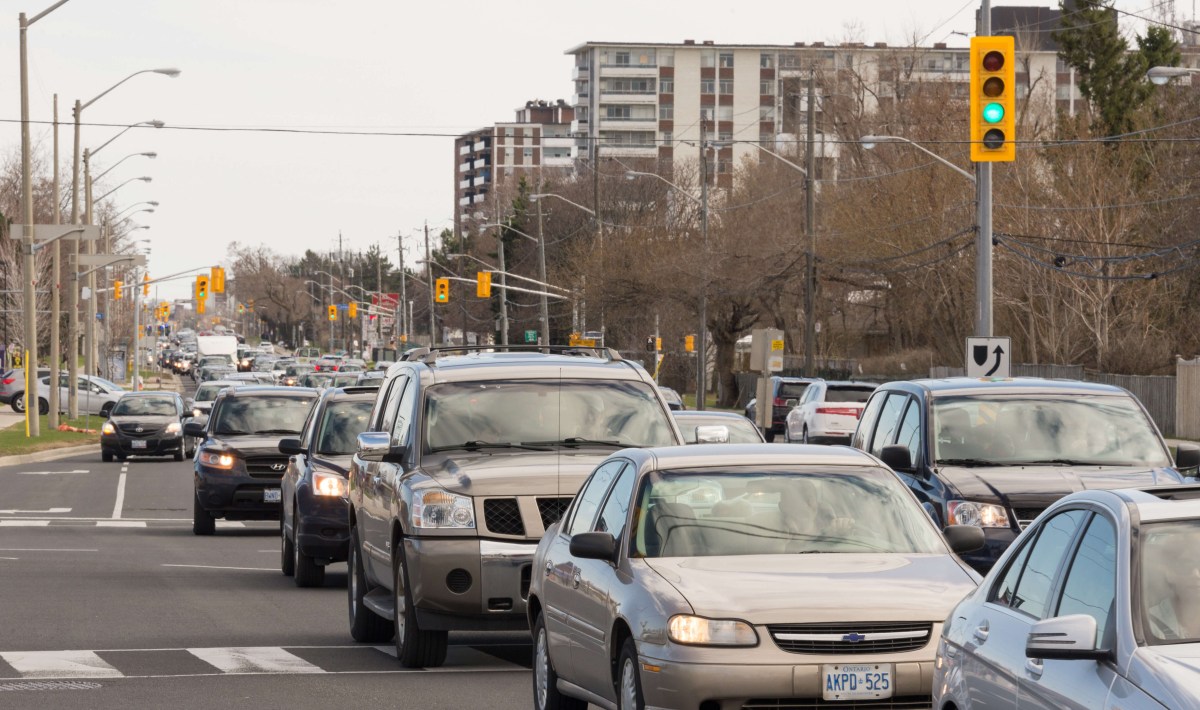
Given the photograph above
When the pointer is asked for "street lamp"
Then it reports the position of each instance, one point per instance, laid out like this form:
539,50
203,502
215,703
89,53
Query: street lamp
599,237
144,178
152,155
1159,76
121,215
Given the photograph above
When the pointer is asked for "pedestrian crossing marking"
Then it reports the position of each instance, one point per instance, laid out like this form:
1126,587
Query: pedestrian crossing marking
60,664
254,660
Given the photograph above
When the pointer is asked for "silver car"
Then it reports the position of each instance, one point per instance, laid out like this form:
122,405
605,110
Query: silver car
707,576
1096,605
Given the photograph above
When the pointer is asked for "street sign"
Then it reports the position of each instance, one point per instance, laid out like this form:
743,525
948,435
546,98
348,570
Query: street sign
531,336
989,357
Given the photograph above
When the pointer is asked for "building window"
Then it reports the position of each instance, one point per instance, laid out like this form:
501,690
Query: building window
725,136
766,61
629,86
708,58
508,131
618,113
766,139
621,59
706,113
666,112
724,113
666,86
528,152
706,86
766,113
727,60
666,138
666,58
766,88
723,166
726,86
789,60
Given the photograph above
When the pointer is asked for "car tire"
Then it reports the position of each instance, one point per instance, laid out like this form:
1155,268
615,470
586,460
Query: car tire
191,451
106,410
202,522
545,679
179,454
629,679
287,558
769,436
805,439
414,648
365,625
18,403
43,406
106,456
307,572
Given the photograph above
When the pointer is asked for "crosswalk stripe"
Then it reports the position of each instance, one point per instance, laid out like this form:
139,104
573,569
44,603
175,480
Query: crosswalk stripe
23,523
60,664
120,523
254,660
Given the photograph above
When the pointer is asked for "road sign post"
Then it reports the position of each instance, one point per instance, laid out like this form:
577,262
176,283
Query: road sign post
989,357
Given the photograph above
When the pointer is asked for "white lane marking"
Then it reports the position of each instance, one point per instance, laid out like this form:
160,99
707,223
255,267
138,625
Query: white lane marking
389,650
120,523
254,660
230,524
46,549
48,511
120,497
23,523
49,473
60,664
247,569
10,558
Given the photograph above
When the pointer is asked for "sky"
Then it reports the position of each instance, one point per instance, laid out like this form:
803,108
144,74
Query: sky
353,65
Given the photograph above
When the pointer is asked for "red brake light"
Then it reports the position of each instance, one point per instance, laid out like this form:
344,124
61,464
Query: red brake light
780,402
9,380
844,411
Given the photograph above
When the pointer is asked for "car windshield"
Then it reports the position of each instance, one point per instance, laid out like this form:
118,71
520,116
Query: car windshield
844,393
741,430
1102,430
545,412
343,422
261,365
262,415
1170,574
207,393
344,381
780,510
147,406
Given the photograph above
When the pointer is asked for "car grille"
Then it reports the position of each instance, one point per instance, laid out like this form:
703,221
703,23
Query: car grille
130,429
897,703
851,638
503,516
552,509
1025,516
264,466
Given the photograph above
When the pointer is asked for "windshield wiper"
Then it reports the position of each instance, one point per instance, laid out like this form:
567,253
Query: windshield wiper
476,445
969,462
276,431
231,432
1066,462
582,441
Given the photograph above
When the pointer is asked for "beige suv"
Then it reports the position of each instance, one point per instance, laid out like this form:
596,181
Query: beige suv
470,455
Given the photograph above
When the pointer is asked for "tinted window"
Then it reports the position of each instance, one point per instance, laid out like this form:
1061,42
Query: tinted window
792,390
1006,590
889,421
1037,577
1170,574
341,425
1091,586
867,422
910,430
402,429
588,501
390,402
145,406
612,518
261,415
842,393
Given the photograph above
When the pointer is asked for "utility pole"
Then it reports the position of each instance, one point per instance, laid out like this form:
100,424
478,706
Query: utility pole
429,278
702,335
29,358
379,297
55,289
137,326
401,327
332,342
545,305
983,244
810,205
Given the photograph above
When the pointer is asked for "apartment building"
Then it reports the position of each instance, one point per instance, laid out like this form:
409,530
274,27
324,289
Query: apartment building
537,139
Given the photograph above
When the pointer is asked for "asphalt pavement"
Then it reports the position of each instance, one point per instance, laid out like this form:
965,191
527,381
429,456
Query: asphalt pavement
110,601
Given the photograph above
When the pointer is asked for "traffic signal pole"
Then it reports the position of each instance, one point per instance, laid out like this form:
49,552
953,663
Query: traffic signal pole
983,200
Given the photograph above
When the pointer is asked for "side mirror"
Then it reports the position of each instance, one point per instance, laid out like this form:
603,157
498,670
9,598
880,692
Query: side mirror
964,538
196,429
897,457
1066,638
712,434
373,445
594,546
1187,456
105,412
291,447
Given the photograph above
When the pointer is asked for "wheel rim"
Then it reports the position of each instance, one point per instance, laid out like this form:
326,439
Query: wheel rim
628,685
541,670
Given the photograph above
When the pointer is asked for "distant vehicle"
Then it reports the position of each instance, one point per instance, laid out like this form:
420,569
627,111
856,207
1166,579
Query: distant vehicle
95,395
327,363
383,365
785,394
828,412
318,380
710,427
12,387
307,354
267,346
146,424
206,394
293,374
224,345
343,379
373,379
674,401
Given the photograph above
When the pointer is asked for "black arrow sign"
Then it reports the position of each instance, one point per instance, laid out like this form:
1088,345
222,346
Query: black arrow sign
999,353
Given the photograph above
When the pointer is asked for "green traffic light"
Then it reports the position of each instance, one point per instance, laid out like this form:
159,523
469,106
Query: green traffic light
993,113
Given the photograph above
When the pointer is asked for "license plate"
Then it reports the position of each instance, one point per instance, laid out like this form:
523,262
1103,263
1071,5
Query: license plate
857,681
137,444
271,495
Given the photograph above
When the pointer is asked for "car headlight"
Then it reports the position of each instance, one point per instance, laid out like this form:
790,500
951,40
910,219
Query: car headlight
981,515
196,412
174,428
328,484
216,459
441,509
699,631
108,428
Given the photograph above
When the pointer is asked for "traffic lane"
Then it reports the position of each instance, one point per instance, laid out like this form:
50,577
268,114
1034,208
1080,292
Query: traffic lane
159,488
82,484
427,689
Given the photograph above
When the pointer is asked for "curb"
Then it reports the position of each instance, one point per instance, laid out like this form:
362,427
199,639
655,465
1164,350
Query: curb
49,455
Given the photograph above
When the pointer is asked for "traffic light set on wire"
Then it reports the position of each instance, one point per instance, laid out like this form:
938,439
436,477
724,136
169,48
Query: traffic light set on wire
993,100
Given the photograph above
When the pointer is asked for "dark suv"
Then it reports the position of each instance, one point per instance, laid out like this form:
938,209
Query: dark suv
468,458
238,465
785,394
996,453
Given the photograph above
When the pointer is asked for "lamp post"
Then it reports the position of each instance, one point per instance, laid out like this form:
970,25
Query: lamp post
599,235
541,242
331,334
1160,76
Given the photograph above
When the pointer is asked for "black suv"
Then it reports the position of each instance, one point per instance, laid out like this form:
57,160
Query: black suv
786,393
469,457
238,464
996,453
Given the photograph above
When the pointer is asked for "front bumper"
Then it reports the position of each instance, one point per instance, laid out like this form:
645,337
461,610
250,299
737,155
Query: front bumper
155,446
492,593
322,526
235,495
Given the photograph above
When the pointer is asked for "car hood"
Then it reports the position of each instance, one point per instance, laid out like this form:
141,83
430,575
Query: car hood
1169,674
514,473
1039,486
819,588
250,444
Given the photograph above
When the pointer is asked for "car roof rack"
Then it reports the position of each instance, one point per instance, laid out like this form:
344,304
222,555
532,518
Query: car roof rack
429,356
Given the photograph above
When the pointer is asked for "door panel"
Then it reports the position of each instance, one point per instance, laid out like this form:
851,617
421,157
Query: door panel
558,571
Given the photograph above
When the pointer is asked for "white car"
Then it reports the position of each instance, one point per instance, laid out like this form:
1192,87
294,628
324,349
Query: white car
96,395
828,412
267,347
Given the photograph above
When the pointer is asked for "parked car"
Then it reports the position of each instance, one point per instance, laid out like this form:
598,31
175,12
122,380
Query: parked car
238,467
146,424
95,395
996,453
674,401
468,459
1094,606
207,393
314,529
12,387
785,394
709,427
742,576
828,412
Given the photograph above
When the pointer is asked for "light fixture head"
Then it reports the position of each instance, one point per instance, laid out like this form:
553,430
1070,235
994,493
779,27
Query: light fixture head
155,123
152,155
171,72
145,178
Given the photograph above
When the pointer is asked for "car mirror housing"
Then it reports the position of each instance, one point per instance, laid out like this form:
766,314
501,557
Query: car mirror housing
897,457
1066,638
964,538
1187,456
195,428
374,445
712,434
291,447
594,546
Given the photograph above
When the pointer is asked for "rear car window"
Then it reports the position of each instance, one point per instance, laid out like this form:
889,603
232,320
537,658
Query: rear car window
843,393
792,390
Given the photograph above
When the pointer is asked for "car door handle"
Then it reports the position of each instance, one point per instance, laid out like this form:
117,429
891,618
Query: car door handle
575,580
1033,666
549,567
981,632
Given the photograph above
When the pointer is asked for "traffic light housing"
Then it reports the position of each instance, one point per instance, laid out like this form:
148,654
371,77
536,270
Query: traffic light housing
201,288
689,343
200,306
145,284
218,279
993,100
442,291
649,343
352,310
117,290
332,312
483,284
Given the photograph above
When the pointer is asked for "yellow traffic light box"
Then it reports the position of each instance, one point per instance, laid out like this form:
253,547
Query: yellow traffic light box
332,312
117,290
442,291
993,100
218,279
201,288
483,284
145,284
352,310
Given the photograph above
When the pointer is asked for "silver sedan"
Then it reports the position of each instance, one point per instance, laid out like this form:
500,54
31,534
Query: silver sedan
706,576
